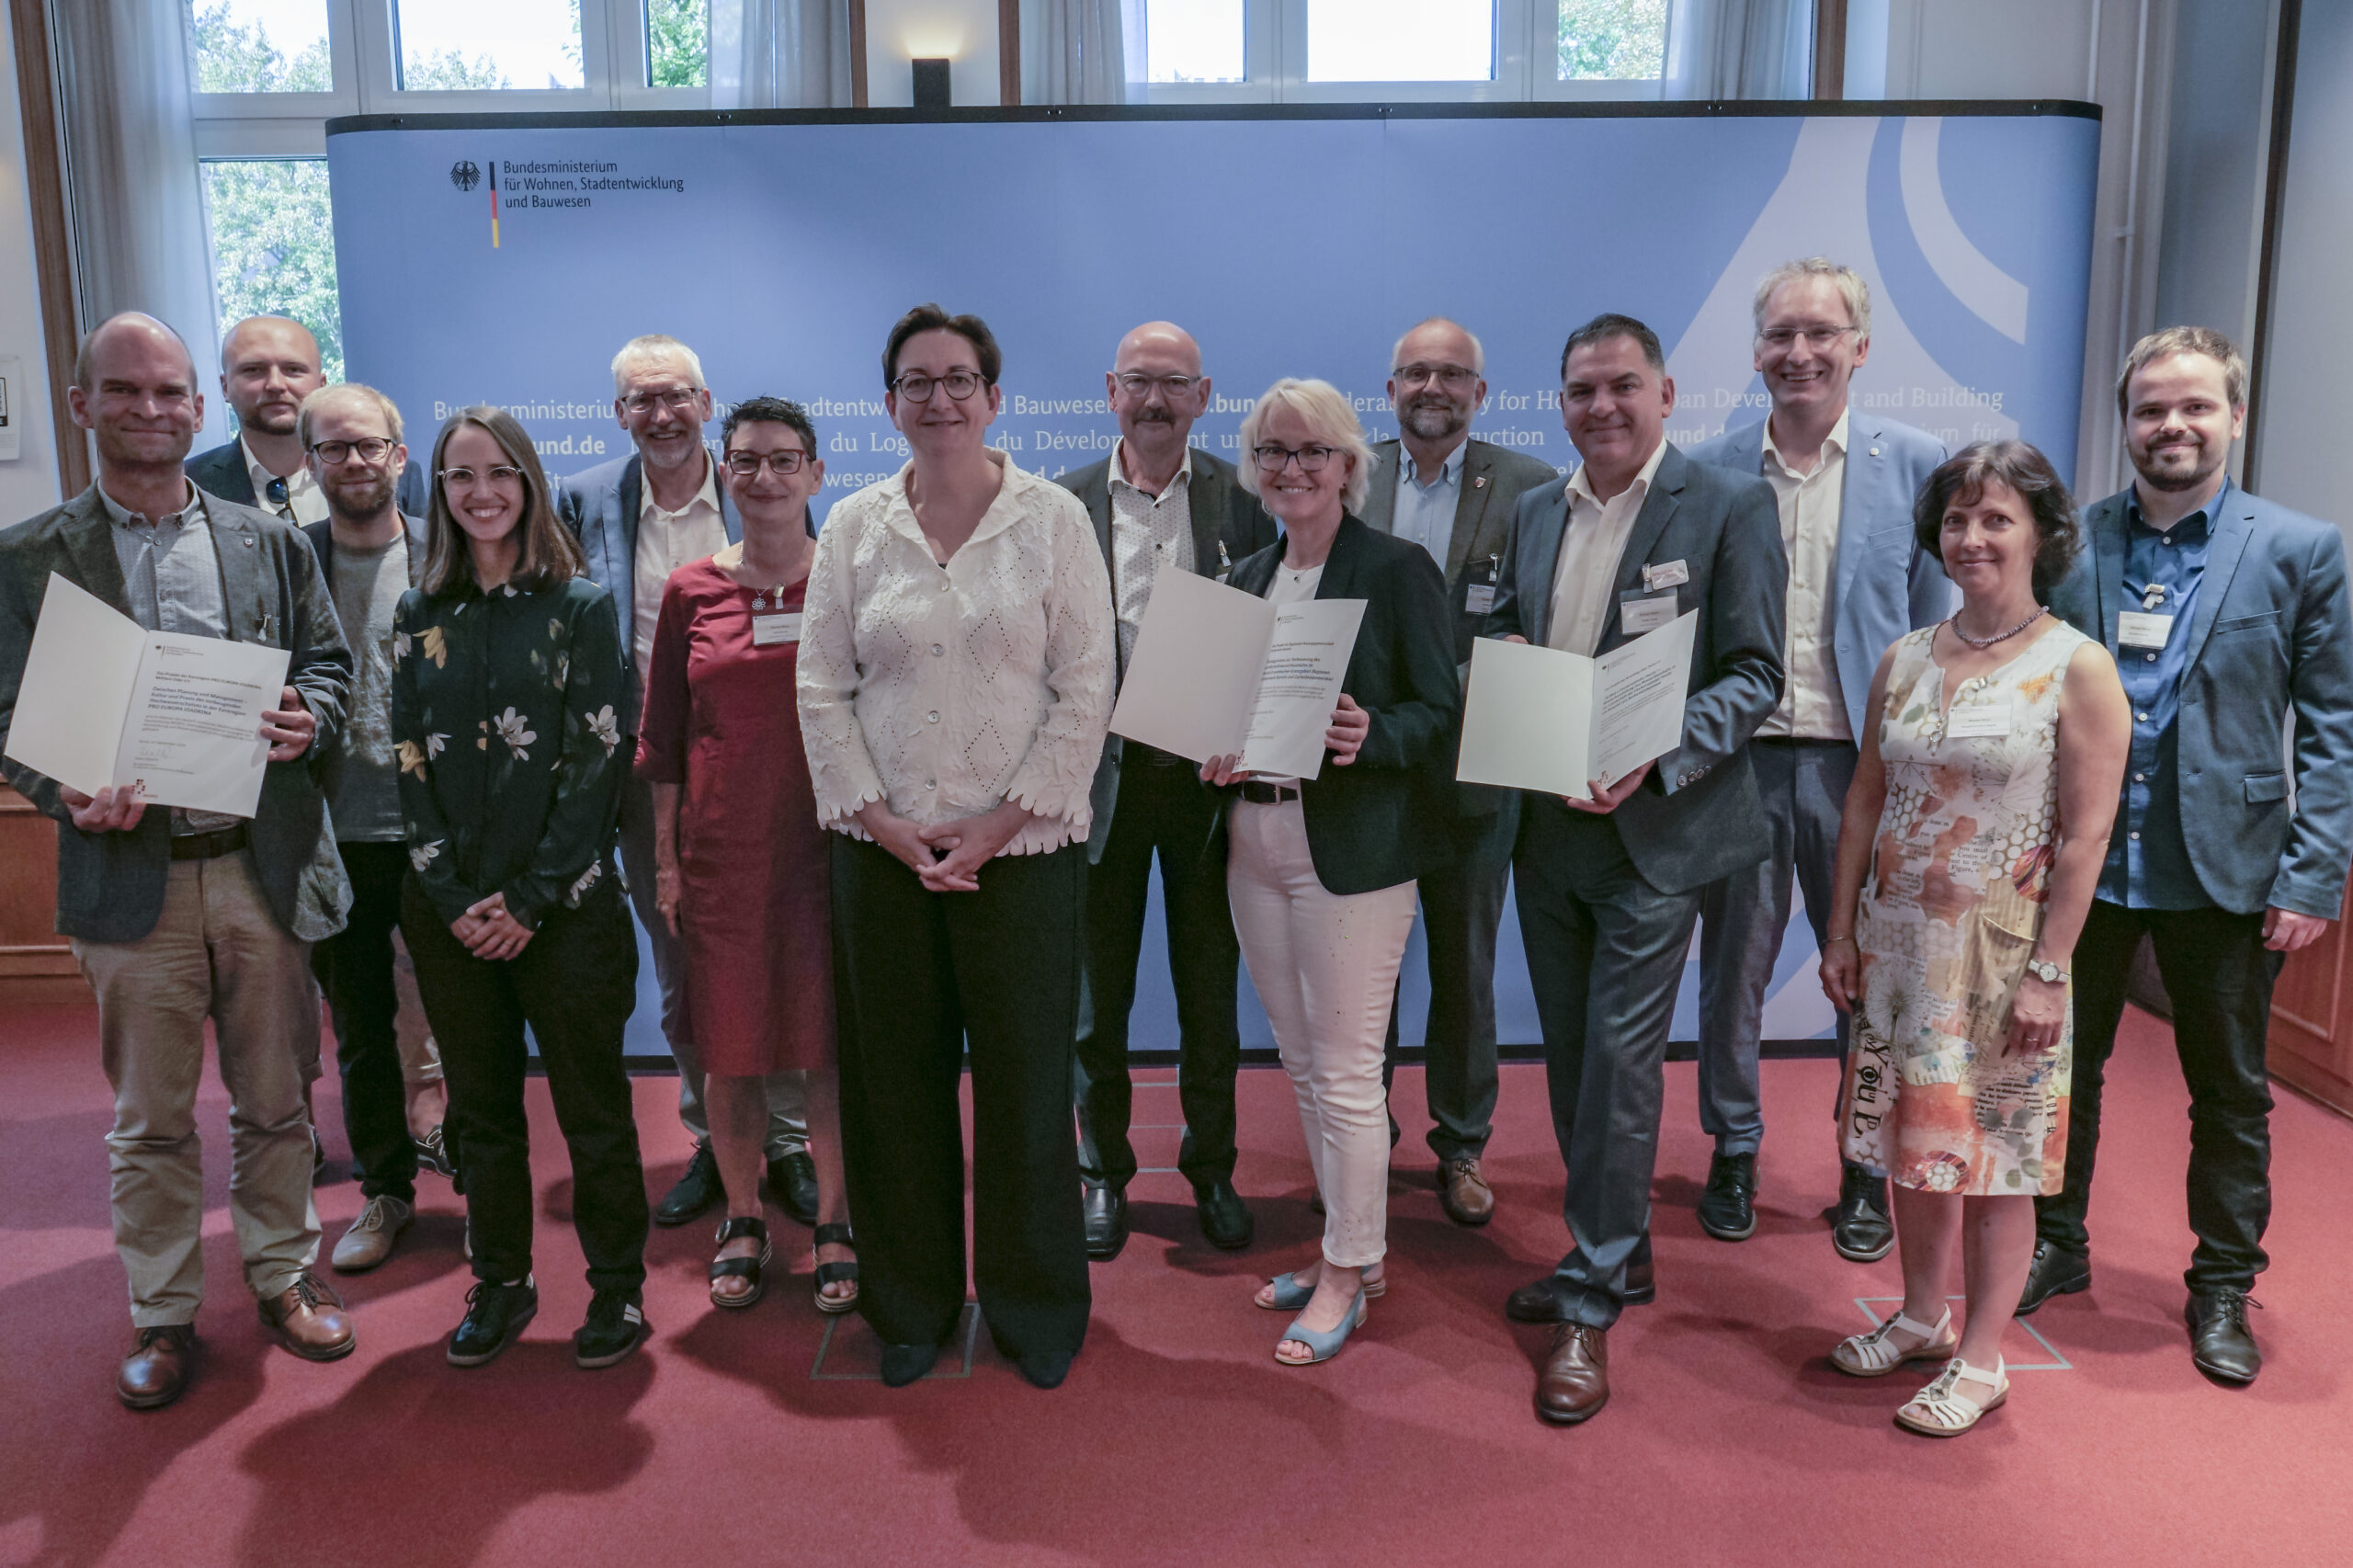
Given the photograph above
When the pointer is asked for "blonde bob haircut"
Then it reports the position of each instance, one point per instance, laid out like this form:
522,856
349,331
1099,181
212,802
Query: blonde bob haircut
1330,421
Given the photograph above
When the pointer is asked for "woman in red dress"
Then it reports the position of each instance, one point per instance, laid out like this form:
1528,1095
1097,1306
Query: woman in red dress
741,861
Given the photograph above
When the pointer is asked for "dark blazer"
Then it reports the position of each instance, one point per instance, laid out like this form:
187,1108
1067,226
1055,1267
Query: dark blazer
110,885
322,537
1373,823
1224,515
1696,818
221,472
2272,640
1494,479
601,505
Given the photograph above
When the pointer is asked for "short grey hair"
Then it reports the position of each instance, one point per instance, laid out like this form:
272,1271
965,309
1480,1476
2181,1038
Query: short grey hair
650,346
1478,349
1851,288
347,391
1330,419
2170,341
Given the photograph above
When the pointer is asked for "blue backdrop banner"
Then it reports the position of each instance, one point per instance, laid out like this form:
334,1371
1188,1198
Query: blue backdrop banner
503,260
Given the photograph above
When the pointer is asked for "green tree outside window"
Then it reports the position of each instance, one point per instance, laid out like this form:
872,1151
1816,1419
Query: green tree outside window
1612,41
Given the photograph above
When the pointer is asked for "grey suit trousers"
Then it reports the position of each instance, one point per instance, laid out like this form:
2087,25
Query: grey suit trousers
1605,955
1462,906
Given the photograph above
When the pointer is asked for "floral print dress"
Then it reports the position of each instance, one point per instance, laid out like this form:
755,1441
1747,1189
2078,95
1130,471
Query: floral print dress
1951,907
508,714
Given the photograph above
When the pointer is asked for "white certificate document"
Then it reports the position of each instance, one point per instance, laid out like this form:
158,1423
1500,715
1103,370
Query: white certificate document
1535,718
105,702
1217,672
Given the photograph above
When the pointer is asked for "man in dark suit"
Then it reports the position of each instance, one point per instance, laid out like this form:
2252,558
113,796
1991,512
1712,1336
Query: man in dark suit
1158,503
2229,619
179,917
639,518
268,365
1843,480
1608,887
1454,497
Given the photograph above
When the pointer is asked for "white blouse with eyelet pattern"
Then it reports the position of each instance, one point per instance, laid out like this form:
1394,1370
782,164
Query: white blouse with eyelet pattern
946,691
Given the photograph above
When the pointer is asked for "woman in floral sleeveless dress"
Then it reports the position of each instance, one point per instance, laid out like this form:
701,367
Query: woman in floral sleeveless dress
1971,844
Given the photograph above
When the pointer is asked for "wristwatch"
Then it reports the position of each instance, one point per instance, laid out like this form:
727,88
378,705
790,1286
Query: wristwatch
2046,972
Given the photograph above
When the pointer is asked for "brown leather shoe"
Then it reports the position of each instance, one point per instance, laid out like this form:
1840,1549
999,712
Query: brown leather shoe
1464,1192
156,1370
1576,1379
312,1327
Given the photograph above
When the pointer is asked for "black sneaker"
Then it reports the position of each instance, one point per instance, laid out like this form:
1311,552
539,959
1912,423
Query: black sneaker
494,1318
433,1153
616,1326
1728,1208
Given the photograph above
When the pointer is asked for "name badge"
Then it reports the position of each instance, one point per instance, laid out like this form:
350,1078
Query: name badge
769,630
1480,600
1977,721
1639,613
1666,575
2139,628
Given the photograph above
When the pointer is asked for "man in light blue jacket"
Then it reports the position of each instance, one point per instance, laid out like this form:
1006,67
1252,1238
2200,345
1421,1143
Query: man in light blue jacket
1844,480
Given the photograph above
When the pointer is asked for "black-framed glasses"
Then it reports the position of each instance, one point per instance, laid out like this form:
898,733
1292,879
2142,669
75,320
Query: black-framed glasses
1786,337
747,465
371,450
1272,459
676,399
915,387
1453,378
1135,383
500,473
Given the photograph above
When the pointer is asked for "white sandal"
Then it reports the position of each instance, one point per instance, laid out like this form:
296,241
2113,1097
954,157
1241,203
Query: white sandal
1872,1355
1944,1415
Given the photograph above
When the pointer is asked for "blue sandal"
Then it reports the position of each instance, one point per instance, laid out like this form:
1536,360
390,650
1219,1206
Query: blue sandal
1291,1295
1327,1344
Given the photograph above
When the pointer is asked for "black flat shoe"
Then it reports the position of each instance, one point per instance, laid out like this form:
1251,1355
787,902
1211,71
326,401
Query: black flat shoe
792,1182
1859,1228
697,1190
1728,1209
1045,1368
494,1316
740,1268
1536,1302
1105,1210
1225,1219
2052,1273
902,1364
2220,1341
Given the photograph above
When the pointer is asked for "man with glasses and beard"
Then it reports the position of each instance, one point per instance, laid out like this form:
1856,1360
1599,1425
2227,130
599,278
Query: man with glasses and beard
1454,497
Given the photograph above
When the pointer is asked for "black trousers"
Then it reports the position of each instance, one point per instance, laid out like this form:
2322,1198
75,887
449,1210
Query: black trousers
1164,809
1462,906
919,977
575,985
355,970
2217,975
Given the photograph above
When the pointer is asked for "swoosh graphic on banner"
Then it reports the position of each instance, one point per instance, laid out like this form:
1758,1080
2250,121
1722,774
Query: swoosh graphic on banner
1991,295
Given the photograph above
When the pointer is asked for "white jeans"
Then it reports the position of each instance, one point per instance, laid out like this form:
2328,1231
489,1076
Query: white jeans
1326,967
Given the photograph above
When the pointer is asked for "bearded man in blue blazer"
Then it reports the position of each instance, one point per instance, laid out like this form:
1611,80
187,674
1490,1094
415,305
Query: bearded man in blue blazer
2232,630
1844,480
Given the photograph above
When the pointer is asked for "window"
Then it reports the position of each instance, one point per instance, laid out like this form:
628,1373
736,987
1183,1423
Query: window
1193,40
260,46
474,45
677,43
1612,41
1401,40
273,245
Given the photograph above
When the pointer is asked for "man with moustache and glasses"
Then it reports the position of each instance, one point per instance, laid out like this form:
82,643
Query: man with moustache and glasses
1454,497
2229,619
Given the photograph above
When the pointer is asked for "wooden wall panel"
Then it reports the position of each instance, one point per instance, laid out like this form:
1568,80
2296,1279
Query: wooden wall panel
2312,1022
36,965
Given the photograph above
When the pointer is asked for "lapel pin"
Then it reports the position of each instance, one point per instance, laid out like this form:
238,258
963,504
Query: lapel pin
1874,451
1480,482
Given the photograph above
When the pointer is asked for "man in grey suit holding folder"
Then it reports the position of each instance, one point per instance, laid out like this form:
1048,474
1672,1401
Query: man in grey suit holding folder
2229,619
1608,887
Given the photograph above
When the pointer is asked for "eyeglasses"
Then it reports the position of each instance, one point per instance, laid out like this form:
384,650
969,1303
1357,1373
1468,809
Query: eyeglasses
1786,337
916,388
1272,459
676,399
747,465
1134,383
371,450
1453,378
502,474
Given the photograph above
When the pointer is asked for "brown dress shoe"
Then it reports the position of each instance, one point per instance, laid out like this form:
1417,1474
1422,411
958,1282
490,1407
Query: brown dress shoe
156,1370
1464,1192
1576,1379
310,1318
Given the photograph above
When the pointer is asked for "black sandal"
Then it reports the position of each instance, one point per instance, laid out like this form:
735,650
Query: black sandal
832,1273
740,1268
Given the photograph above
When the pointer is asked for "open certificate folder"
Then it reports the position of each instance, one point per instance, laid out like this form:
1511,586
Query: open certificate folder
1217,672
1538,719
105,702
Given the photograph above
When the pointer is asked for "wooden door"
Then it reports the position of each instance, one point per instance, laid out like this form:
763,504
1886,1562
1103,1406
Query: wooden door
36,965
2312,1022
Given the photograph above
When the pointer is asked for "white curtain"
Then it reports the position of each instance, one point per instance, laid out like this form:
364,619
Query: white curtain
1740,48
1082,52
140,240
779,55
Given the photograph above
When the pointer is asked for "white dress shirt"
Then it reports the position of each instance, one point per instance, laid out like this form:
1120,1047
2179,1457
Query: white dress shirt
1812,705
305,502
1590,546
946,690
1424,511
1148,532
665,541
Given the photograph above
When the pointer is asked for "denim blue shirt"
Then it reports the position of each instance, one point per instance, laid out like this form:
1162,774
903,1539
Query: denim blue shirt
2148,859
1425,506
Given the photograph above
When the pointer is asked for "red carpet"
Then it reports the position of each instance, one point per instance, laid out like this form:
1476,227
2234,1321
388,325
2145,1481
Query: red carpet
1178,1440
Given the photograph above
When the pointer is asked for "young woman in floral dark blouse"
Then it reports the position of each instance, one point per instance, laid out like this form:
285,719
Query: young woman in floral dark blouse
509,699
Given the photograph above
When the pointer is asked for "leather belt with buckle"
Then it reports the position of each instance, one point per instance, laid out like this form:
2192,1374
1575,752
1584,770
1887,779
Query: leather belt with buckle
209,846
1259,794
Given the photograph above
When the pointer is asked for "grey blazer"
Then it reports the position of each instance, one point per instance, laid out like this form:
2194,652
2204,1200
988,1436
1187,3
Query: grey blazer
1222,514
221,472
2271,640
1698,817
110,885
601,506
